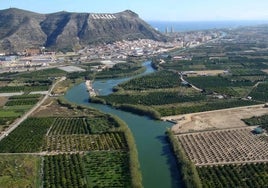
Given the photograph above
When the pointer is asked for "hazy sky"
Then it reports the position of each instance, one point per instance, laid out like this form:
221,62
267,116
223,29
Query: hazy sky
164,10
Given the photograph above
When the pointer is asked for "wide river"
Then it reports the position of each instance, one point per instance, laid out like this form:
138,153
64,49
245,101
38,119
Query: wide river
157,162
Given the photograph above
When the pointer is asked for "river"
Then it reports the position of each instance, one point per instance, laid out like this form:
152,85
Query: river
157,162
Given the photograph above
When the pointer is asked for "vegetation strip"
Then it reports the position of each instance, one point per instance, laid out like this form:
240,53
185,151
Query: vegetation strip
187,169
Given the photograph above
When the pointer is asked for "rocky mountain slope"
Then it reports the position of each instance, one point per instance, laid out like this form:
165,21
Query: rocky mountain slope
20,29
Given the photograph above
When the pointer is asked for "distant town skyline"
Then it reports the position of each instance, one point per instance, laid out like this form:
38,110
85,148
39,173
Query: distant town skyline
157,10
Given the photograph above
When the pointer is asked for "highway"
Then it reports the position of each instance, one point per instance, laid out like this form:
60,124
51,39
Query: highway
18,121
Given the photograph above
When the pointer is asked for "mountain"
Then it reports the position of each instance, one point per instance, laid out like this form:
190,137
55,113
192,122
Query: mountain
21,29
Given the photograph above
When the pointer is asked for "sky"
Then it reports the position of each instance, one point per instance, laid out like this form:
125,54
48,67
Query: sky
154,10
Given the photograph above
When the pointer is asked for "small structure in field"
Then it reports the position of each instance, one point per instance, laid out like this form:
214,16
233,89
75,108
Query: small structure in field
258,130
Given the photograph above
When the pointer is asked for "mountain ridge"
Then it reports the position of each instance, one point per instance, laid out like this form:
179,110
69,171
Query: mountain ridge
20,29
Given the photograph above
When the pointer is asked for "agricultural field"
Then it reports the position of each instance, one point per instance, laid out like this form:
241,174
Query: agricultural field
153,98
260,92
69,126
82,125
161,79
40,74
64,171
164,92
219,84
31,81
95,169
200,106
247,175
6,116
77,143
71,149
228,72
19,171
231,146
23,100
14,89
14,107
75,151
29,136
107,169
101,124
63,135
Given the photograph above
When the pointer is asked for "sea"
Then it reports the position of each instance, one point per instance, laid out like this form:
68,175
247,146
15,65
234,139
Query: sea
202,25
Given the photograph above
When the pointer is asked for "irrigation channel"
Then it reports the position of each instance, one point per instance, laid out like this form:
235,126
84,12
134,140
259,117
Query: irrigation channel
157,162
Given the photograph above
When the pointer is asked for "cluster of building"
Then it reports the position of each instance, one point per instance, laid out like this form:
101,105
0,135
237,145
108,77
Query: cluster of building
194,38
145,47
119,50
124,49
22,63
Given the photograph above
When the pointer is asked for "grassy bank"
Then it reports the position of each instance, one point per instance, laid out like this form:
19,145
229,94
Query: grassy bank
134,165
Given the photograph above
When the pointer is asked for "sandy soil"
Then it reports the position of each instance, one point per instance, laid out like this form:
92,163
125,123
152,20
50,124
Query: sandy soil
3,101
51,108
265,70
218,119
207,72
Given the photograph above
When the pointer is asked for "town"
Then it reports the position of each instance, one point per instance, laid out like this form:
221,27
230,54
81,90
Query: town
40,58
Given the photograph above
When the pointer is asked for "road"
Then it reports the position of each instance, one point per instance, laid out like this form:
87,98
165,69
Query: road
17,122
193,86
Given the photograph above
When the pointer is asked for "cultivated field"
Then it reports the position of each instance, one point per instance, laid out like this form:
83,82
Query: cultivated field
233,176
19,171
78,143
229,146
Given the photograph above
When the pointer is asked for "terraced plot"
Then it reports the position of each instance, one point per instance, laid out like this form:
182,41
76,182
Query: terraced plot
224,147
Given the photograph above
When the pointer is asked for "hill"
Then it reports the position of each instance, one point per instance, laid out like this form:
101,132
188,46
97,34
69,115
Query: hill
20,29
